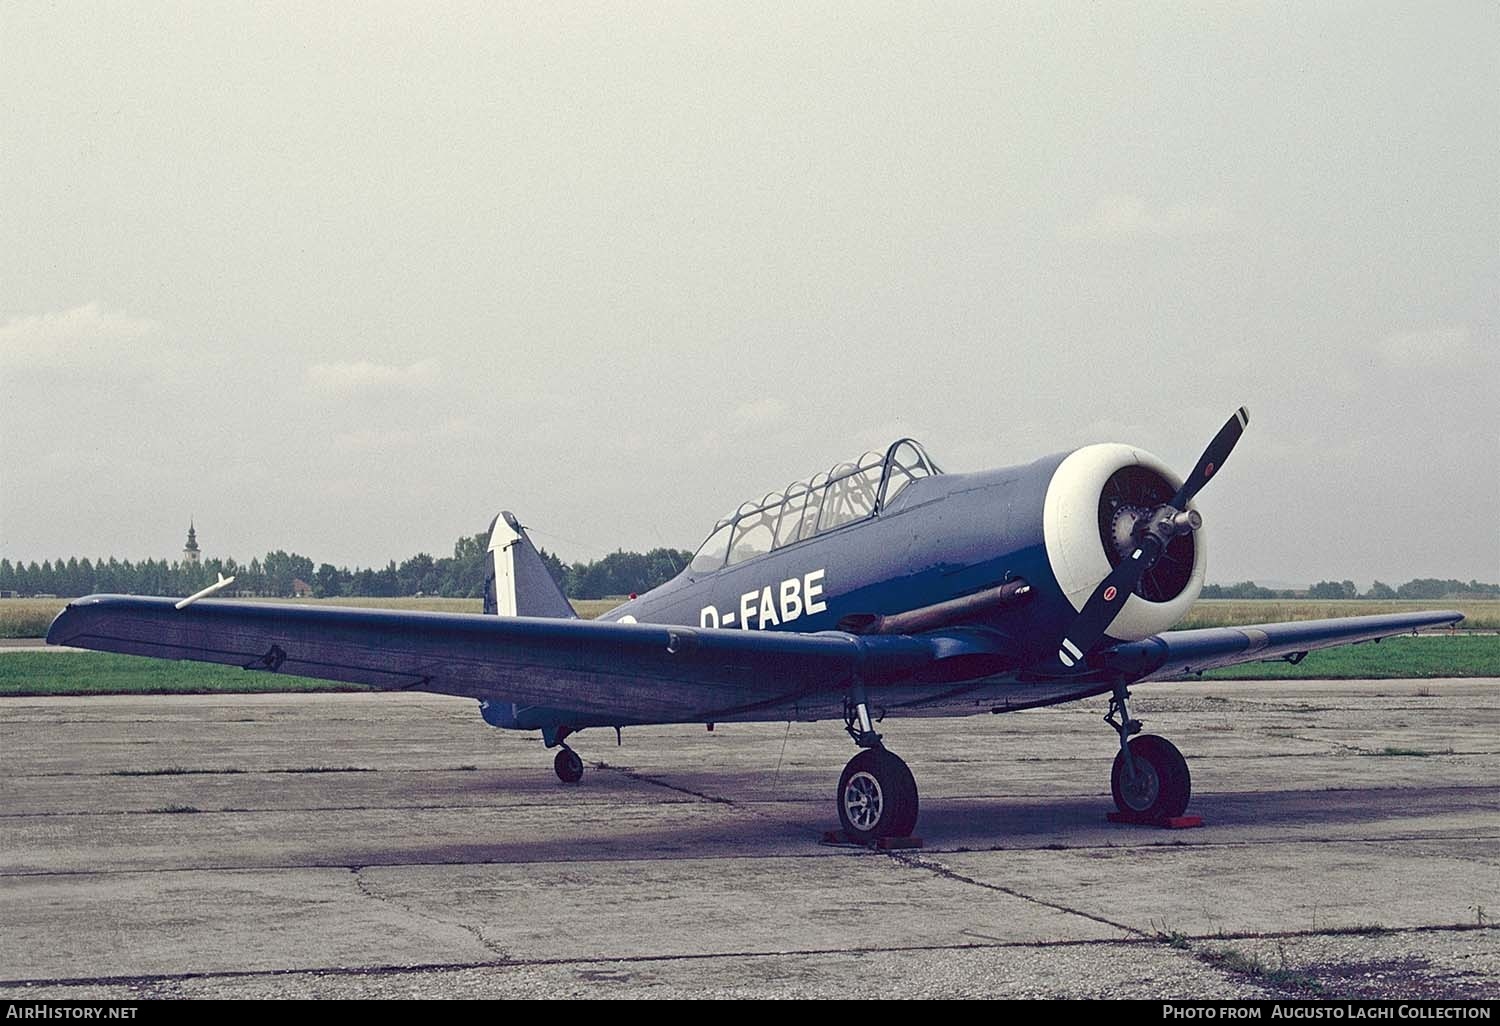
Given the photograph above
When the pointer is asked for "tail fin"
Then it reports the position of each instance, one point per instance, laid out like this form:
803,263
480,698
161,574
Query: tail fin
517,582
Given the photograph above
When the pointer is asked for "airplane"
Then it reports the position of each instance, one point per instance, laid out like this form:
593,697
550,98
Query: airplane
878,589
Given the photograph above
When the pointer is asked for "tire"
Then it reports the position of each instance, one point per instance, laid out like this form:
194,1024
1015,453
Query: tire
877,797
1167,786
568,766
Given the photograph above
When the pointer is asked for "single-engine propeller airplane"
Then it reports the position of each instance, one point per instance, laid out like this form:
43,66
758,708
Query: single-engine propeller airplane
881,588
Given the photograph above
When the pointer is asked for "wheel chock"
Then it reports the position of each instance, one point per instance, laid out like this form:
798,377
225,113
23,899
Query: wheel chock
840,839
1169,823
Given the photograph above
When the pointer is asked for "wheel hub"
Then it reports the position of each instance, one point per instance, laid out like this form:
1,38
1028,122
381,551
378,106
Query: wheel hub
1141,790
863,800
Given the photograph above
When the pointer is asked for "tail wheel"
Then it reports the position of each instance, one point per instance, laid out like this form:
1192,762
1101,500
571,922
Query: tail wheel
1161,785
568,766
877,797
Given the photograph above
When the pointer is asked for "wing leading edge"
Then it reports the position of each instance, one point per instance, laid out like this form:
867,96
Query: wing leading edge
1175,653
634,672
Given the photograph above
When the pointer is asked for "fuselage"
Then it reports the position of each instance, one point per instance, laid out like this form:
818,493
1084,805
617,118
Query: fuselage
939,538
943,537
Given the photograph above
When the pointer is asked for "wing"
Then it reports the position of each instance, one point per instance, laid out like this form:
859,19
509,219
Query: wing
634,672
1175,653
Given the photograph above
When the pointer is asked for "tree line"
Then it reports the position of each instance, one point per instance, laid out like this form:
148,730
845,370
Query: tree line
1422,588
460,575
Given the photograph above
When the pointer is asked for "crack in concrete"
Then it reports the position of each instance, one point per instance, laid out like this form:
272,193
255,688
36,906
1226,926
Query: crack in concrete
298,809
913,861
364,888
643,778
753,805
1178,844
233,772
851,851
521,963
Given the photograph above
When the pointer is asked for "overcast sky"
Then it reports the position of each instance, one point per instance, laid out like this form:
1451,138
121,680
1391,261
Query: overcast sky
349,282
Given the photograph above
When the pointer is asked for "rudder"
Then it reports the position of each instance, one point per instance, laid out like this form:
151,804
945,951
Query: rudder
517,582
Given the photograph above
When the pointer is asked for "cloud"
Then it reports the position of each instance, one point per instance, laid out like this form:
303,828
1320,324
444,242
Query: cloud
1424,348
759,413
361,377
1113,429
83,335
1121,216
367,440
391,439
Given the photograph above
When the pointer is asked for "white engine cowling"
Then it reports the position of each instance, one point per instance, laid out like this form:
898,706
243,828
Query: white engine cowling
1075,529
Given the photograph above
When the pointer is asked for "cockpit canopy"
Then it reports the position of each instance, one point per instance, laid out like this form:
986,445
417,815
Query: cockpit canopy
829,500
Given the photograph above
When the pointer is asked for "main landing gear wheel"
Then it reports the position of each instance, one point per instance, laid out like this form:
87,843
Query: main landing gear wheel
568,766
877,797
1160,786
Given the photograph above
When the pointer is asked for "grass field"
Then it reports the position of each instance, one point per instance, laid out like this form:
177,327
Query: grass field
101,673
1479,614
1393,658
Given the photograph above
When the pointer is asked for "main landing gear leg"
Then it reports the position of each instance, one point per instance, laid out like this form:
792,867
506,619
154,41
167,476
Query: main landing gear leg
877,795
1150,779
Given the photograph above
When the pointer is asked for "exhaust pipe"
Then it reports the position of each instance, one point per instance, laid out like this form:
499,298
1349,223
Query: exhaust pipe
926,618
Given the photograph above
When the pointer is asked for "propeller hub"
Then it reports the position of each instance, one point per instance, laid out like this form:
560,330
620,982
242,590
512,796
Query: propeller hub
1185,521
1165,524
1131,524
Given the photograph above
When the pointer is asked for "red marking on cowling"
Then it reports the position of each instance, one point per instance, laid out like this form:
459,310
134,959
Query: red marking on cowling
1109,593
1208,471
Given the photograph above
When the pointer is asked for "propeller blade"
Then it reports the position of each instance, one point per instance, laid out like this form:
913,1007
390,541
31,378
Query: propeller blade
1213,458
1099,612
1106,602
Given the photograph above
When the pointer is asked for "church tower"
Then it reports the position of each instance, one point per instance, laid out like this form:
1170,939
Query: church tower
190,550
